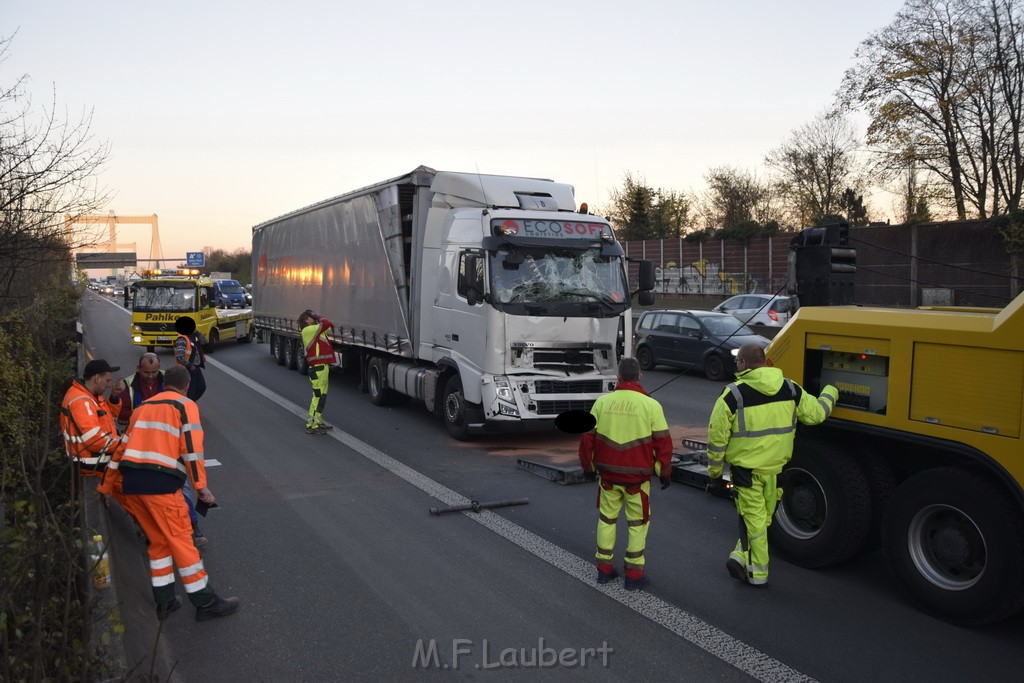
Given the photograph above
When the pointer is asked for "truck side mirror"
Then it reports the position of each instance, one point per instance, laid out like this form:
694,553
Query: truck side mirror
645,298
647,276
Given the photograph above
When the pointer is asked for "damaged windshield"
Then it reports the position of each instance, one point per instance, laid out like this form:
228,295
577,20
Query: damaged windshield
553,275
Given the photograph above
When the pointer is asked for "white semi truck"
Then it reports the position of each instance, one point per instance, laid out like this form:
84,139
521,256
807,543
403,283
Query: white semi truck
491,299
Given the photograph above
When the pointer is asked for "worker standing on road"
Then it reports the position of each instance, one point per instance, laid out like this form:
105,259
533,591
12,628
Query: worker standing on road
319,358
752,427
144,384
188,352
628,445
164,447
87,420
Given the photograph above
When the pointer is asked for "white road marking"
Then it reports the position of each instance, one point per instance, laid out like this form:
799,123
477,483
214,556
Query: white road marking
747,659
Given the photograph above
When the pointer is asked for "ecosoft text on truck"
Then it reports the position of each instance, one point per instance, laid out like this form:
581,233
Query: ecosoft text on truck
491,299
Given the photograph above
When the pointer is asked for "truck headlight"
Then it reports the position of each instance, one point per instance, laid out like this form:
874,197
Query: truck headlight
503,389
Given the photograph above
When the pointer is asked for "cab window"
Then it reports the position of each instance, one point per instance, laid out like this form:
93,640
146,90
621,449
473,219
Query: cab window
477,278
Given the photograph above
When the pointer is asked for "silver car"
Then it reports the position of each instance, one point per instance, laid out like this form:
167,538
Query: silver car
759,309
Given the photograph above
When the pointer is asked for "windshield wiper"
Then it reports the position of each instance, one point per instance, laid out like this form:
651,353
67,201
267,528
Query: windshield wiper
590,295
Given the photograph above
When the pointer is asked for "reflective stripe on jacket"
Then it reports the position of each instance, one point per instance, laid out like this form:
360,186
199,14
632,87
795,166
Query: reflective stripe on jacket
753,422
318,348
631,441
165,435
88,427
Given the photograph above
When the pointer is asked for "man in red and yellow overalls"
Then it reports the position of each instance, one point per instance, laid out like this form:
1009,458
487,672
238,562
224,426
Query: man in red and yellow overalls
628,445
319,358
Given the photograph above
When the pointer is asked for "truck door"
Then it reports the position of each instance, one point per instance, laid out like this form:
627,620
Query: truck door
459,326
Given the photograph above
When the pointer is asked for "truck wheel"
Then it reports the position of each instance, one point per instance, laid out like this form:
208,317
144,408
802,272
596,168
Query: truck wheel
825,512
277,344
953,540
453,409
645,358
289,354
212,341
300,360
376,382
714,368
882,483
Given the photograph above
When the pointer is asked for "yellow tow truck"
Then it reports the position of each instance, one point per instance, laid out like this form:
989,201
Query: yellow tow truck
159,298
922,454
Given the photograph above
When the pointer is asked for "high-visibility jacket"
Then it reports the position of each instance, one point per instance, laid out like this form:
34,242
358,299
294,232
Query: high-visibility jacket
318,348
165,435
87,422
753,422
187,353
631,441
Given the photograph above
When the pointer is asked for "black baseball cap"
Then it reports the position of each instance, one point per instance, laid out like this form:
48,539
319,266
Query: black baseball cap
98,366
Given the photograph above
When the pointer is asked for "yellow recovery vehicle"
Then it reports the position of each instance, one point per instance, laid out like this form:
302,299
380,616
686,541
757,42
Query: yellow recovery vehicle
922,453
161,297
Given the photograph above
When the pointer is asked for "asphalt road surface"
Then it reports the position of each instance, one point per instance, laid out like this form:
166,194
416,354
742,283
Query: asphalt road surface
344,575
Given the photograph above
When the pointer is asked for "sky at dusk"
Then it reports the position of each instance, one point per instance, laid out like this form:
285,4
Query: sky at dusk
221,115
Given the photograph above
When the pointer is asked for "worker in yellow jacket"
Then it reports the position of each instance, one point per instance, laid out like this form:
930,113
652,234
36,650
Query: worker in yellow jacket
752,428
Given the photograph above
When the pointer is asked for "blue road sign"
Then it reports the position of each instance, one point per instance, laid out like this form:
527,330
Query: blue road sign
195,259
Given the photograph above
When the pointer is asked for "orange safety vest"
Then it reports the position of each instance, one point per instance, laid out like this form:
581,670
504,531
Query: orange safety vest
88,426
165,435
189,352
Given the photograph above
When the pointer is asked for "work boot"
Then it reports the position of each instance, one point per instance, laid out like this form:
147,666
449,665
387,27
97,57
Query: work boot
218,607
736,569
165,609
318,429
605,577
198,539
637,584
326,427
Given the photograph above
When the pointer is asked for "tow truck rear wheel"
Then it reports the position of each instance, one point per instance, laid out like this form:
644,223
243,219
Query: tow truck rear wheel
953,540
277,343
825,513
289,354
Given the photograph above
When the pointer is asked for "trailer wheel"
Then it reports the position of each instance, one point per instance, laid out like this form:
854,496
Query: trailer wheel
277,343
645,358
953,540
376,382
454,409
300,360
824,515
289,354
212,341
714,368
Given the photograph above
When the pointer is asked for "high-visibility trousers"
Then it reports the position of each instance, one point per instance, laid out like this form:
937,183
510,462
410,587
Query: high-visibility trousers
756,505
164,519
318,377
611,498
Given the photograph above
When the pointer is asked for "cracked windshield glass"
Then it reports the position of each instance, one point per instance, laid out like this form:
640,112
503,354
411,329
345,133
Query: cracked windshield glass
555,275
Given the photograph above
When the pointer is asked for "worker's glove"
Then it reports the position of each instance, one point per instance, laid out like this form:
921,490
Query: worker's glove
590,476
665,482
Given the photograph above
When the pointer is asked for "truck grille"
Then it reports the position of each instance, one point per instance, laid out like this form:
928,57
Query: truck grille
566,360
156,327
556,407
589,386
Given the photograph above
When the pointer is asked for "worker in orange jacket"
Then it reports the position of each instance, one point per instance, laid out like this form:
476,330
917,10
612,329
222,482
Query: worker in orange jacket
163,448
87,421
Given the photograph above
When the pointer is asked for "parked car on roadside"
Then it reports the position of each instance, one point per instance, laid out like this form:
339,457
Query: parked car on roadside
759,309
685,339
228,294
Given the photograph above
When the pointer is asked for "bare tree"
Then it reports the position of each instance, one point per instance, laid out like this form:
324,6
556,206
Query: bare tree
944,87
735,196
815,165
49,165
